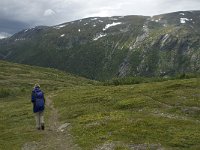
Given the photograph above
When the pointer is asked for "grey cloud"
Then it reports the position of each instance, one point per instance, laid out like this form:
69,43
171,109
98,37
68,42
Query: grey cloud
11,26
51,12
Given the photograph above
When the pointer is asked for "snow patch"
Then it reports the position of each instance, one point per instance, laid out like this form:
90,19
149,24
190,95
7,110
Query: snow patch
62,35
111,25
100,21
79,30
164,25
85,24
182,14
156,20
183,20
94,25
20,39
99,36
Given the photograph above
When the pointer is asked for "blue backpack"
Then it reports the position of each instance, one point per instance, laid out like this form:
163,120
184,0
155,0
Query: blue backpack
39,100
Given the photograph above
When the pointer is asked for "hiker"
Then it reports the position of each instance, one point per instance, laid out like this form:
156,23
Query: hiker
38,101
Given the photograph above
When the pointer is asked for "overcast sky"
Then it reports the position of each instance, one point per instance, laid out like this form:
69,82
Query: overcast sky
23,13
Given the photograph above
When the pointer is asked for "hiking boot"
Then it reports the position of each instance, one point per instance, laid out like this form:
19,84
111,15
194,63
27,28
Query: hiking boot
42,126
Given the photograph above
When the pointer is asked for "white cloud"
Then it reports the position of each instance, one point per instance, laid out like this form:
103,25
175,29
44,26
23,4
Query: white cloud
49,12
4,35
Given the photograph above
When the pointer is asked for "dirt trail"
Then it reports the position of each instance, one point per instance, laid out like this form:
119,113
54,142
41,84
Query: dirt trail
56,135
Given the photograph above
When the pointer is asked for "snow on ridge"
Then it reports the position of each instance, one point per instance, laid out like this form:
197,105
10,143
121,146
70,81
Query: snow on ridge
62,35
60,26
111,25
33,28
94,18
99,36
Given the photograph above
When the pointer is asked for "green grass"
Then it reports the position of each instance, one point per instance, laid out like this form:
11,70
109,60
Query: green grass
16,82
17,123
165,113
153,114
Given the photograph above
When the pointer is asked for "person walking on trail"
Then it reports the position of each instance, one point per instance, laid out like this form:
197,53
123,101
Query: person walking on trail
38,101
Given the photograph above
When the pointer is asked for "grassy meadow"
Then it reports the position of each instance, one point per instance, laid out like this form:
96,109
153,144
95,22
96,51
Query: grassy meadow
153,115
17,124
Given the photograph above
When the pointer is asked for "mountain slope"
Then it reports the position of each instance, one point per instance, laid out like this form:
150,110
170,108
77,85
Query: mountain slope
102,48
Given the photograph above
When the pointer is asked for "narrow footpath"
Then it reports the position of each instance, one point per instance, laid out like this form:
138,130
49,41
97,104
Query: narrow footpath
57,136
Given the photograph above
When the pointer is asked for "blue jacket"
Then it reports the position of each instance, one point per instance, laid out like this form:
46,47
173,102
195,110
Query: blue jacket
37,95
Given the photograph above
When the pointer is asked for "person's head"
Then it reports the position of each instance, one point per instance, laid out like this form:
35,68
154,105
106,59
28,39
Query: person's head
37,85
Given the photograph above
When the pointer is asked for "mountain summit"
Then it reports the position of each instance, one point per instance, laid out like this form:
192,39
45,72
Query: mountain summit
106,47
